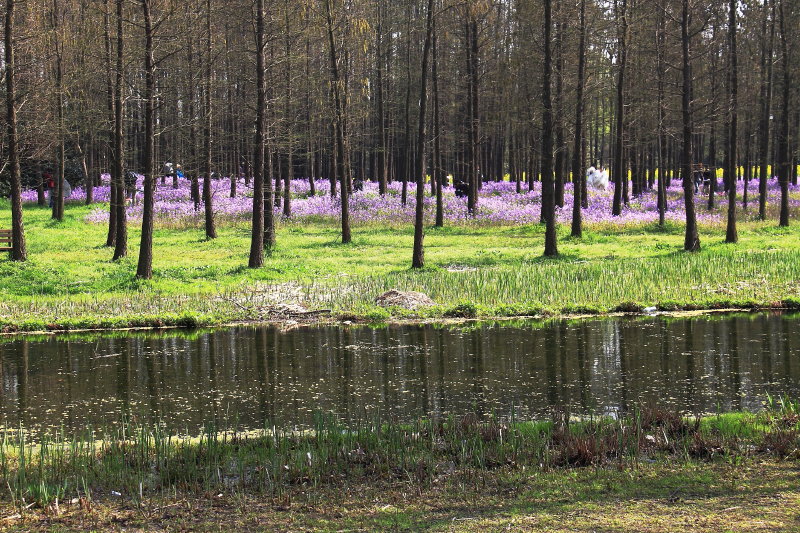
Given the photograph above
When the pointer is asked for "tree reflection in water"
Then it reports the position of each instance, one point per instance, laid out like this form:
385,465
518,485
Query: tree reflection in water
253,375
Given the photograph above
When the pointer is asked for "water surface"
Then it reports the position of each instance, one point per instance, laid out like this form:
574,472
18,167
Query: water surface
246,376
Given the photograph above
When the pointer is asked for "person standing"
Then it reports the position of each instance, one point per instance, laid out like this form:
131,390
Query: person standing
49,187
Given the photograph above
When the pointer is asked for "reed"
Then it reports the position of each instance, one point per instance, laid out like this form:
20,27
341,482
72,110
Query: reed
136,461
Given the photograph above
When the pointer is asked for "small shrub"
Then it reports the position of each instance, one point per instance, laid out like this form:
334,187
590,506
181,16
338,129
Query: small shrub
629,307
791,303
346,316
781,443
705,447
669,305
377,314
672,423
462,310
187,321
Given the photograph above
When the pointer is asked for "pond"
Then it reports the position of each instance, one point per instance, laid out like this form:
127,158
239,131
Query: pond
247,376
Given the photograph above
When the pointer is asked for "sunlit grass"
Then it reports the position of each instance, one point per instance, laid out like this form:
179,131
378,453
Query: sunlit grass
71,281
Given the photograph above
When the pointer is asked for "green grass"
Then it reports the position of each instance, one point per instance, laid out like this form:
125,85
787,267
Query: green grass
500,472
70,281
752,496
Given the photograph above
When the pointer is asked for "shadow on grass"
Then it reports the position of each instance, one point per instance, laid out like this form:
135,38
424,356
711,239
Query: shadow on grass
618,496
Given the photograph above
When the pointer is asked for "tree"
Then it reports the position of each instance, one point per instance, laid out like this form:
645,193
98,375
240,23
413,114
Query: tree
767,52
784,157
110,101
211,230
712,149
381,148
577,149
18,250
548,189
485,112
661,69
121,239
438,172
731,234
418,256
257,241
58,47
559,164
338,104
288,119
692,239
144,269
474,113
620,172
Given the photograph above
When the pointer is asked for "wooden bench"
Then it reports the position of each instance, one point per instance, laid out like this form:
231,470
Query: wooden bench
5,240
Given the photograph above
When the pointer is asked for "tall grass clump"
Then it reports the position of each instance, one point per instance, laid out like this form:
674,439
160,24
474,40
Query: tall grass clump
139,460
739,280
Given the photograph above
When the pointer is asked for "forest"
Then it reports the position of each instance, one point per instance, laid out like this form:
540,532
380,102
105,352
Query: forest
446,93
201,113
441,265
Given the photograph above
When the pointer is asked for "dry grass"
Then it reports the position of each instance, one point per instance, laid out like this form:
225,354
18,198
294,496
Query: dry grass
718,497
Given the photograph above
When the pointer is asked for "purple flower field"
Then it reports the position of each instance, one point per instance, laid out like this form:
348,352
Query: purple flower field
498,204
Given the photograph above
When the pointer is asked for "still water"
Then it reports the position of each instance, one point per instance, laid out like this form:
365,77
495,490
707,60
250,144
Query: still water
246,376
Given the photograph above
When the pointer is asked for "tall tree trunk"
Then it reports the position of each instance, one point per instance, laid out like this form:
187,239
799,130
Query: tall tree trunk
211,230
561,145
474,116
58,45
406,154
144,269
731,234
467,158
289,126
578,174
784,159
418,257
311,159
192,172
341,168
270,237
692,239
620,174
88,170
748,161
231,121
712,187
121,240
113,200
258,223
767,50
18,249
381,134
438,171
548,189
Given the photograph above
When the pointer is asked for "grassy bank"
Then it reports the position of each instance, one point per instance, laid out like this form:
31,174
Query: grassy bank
71,283
755,495
406,476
